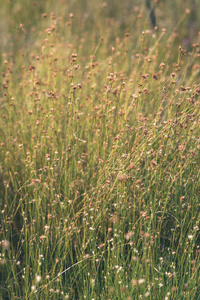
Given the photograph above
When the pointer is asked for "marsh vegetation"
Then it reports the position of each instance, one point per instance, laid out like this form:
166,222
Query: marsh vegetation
99,150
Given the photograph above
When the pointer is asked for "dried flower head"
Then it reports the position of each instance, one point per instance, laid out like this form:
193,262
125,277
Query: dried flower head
5,244
122,177
128,235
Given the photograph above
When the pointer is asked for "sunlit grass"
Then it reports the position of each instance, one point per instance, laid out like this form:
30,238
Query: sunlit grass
99,153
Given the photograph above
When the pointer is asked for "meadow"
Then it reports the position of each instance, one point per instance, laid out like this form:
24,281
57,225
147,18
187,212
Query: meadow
99,150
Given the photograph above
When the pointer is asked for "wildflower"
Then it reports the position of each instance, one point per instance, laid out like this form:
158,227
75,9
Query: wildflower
33,288
114,219
93,281
5,244
2,261
141,281
128,235
162,65
134,282
131,166
38,278
134,258
122,178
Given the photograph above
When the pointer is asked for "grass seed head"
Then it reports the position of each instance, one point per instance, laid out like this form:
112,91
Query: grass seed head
5,244
122,177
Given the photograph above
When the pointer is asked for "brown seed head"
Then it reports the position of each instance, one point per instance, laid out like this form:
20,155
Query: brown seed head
122,177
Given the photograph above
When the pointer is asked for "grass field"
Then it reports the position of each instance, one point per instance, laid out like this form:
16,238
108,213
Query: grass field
99,150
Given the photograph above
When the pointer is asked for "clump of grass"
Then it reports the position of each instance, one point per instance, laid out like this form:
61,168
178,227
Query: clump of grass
99,153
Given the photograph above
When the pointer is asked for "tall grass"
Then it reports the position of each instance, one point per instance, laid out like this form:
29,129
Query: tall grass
99,156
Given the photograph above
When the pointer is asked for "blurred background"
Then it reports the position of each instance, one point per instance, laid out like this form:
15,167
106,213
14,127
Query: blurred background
118,15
